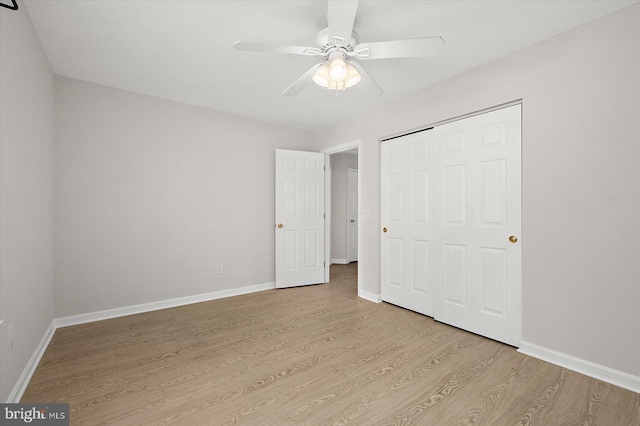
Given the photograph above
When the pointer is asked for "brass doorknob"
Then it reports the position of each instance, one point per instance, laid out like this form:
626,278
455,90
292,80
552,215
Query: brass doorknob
513,239
280,225
384,229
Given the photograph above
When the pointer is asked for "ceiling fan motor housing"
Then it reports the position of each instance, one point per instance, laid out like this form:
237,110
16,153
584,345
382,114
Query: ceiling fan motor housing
327,43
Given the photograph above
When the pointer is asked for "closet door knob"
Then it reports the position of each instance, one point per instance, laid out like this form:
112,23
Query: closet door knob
384,230
280,225
513,239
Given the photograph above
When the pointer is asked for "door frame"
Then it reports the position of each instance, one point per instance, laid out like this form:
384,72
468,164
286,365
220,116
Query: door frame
327,200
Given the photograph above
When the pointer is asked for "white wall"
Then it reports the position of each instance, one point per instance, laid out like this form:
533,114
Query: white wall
26,193
340,163
581,181
152,194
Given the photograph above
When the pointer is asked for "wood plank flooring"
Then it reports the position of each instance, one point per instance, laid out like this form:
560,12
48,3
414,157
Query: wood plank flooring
315,355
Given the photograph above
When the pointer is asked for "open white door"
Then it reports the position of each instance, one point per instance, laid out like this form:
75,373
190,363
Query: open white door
299,215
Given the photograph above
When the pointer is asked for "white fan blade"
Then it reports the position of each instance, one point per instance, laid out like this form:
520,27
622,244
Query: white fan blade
301,82
367,85
276,48
413,48
341,15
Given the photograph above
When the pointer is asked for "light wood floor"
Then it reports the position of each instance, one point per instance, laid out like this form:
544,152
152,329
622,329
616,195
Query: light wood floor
314,355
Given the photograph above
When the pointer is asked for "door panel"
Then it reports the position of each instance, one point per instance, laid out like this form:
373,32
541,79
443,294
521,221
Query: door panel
455,274
493,183
299,197
420,254
455,190
479,171
406,214
420,196
494,281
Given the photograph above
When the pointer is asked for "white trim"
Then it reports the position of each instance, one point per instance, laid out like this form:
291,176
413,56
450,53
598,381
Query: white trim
328,176
449,120
162,304
30,368
588,368
339,261
342,147
371,297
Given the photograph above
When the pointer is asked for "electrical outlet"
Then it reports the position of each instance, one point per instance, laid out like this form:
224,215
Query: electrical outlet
12,336
219,269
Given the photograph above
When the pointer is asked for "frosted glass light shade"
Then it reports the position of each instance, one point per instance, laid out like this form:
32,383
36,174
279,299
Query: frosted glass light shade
337,69
353,77
321,76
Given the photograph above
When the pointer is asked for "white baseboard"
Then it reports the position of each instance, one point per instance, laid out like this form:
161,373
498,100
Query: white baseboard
30,368
339,261
588,368
371,297
162,304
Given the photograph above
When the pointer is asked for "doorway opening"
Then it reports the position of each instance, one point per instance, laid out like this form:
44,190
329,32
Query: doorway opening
342,205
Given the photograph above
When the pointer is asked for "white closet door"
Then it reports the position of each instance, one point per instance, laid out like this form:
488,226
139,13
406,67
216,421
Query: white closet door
299,232
477,218
406,216
451,207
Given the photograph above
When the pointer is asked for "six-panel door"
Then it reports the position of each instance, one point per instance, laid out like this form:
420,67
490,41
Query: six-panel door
479,181
407,238
299,230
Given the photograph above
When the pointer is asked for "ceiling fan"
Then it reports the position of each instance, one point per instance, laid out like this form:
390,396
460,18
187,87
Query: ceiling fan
339,47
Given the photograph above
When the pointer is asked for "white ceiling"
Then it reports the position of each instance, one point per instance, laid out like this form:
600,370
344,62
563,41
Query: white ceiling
182,50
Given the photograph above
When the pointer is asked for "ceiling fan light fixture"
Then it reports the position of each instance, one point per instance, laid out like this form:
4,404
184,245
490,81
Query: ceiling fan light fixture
321,76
